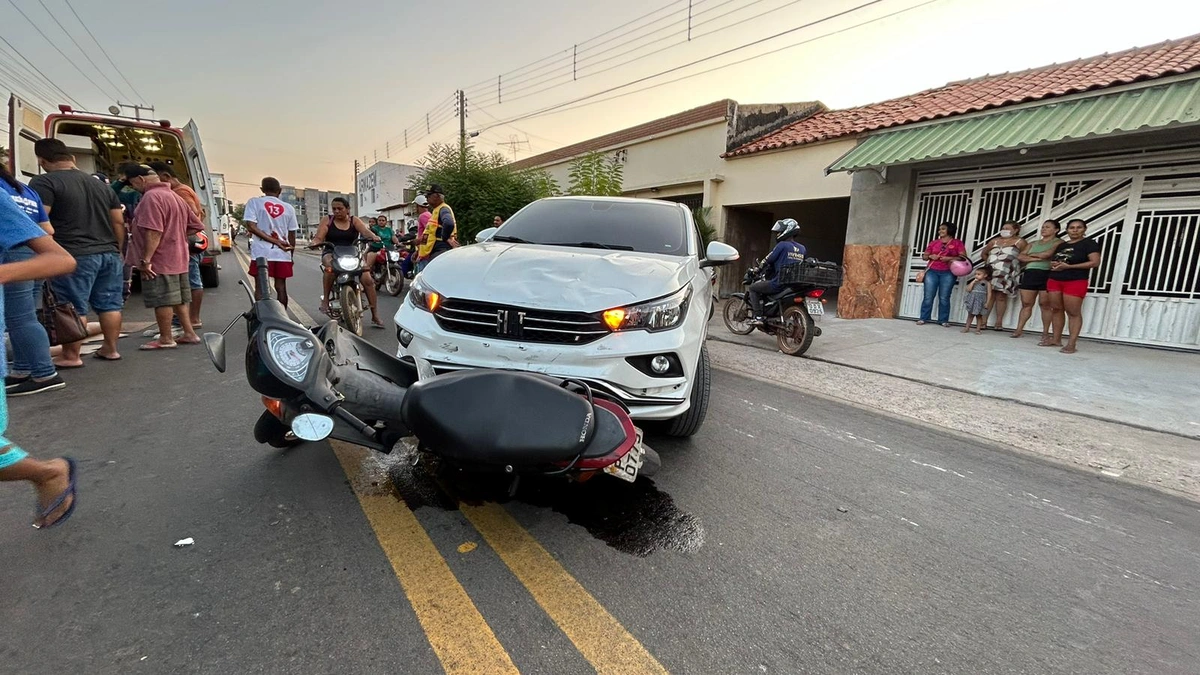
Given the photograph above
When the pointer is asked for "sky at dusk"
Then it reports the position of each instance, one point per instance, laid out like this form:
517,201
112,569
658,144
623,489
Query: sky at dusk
300,89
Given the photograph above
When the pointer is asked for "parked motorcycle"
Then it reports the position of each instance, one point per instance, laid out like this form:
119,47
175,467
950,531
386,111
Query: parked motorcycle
329,383
347,301
388,274
792,312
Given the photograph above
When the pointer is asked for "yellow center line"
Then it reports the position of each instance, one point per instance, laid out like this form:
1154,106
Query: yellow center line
458,633
598,636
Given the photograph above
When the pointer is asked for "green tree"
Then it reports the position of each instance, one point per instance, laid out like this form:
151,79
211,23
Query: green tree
708,233
239,210
597,175
482,189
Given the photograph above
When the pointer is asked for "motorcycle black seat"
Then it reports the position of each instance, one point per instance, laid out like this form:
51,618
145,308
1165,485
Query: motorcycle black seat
505,418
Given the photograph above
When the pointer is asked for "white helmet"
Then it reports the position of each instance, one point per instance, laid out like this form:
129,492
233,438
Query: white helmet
421,201
785,229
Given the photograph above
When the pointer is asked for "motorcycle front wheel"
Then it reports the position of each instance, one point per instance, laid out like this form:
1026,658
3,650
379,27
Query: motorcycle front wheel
351,309
395,282
795,336
737,316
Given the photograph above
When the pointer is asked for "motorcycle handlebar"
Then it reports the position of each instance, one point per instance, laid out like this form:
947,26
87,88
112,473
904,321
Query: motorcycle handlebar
261,277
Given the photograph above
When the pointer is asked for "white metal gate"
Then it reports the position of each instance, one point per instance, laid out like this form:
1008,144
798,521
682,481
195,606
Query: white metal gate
1143,210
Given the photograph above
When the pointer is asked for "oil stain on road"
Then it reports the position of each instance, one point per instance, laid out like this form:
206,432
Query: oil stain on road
638,519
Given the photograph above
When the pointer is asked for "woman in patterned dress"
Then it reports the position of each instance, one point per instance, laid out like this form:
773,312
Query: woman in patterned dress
1002,254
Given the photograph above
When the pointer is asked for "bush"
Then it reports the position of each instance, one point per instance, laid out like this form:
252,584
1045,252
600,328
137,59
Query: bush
481,188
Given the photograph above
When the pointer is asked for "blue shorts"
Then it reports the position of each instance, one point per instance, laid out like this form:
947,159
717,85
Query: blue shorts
194,279
97,284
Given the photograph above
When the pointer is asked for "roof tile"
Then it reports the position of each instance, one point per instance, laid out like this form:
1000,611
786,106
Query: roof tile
1173,57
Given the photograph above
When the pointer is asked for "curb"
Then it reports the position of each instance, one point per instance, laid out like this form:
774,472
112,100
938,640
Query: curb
961,390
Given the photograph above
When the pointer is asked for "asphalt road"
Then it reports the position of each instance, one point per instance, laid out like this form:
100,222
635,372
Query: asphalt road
793,534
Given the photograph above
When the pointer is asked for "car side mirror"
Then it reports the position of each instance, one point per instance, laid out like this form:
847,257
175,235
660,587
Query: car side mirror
486,234
719,253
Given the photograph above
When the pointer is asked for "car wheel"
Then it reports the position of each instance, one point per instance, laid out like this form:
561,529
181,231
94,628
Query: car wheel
795,336
688,423
209,276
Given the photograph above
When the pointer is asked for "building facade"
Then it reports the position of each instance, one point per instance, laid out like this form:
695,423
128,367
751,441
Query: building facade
1111,140
383,185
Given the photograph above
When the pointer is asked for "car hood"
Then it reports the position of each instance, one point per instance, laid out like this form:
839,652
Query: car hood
555,277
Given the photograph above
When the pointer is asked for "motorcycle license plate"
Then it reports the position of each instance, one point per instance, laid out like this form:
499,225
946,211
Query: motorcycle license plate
628,466
815,308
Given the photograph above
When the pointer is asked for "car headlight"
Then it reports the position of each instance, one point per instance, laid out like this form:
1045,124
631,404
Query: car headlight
662,314
291,353
348,262
424,297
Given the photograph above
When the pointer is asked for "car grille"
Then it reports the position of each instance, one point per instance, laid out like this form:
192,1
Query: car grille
502,322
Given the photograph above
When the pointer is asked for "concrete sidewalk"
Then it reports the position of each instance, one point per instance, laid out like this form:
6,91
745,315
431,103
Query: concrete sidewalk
1147,388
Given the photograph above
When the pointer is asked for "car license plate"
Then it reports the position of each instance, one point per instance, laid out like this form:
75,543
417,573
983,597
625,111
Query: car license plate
628,466
815,308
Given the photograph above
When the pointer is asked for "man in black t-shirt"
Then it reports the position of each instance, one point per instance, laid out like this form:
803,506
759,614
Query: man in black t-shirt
88,222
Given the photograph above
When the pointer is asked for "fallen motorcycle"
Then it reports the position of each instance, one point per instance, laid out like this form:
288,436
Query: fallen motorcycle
330,383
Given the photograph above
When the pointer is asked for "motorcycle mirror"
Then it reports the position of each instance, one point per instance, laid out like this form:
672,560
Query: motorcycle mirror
424,369
215,344
312,427
246,287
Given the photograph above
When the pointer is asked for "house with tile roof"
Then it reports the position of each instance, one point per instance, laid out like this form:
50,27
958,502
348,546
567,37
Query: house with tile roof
679,158
1111,139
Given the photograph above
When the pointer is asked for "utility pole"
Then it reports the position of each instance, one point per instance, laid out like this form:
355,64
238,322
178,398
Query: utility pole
354,186
462,129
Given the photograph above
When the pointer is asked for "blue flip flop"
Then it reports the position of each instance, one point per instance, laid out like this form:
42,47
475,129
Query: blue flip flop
58,501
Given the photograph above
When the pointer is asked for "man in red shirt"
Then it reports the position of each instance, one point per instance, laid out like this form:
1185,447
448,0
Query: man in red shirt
167,175
158,249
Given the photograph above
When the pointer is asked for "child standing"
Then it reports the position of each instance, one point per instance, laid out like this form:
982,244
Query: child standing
978,297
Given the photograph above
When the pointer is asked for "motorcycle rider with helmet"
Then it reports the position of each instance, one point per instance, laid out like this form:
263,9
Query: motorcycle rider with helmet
787,252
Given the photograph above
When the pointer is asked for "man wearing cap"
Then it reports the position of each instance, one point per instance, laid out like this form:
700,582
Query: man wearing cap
272,225
89,223
159,251
441,231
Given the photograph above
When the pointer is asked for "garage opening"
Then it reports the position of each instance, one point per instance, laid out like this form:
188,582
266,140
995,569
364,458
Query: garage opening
748,229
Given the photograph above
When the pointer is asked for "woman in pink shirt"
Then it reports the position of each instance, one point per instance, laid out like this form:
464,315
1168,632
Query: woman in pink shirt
939,280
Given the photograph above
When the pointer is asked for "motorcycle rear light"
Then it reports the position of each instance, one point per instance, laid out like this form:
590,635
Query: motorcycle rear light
621,450
816,293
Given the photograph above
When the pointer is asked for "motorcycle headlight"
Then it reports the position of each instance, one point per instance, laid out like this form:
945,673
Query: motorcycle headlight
348,262
424,297
291,353
394,256
662,314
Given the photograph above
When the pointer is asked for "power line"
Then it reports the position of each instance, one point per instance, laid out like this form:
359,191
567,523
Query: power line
27,79
60,52
105,52
512,97
79,47
578,103
698,61
39,72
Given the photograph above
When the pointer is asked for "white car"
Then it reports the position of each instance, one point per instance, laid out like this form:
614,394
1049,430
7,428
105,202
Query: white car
615,292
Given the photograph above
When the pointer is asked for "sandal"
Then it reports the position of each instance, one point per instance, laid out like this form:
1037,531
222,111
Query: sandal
920,323
69,493
102,357
1067,350
185,341
151,346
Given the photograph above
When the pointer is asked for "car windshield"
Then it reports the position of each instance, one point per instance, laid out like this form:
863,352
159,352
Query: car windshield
646,227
